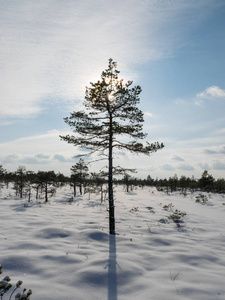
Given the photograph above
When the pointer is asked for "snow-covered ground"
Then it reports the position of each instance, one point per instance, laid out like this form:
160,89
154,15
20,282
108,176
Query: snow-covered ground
62,250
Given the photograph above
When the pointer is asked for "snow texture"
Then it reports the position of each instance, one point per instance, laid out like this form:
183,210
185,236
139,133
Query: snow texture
62,250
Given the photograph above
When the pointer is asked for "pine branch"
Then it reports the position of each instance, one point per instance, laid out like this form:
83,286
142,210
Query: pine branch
139,147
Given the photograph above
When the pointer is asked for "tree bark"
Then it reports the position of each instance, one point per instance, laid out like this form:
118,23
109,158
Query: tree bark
110,182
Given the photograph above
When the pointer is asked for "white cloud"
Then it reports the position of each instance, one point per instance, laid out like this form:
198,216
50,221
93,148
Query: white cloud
212,92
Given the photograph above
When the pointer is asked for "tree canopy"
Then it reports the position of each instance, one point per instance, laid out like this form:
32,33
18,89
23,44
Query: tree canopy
110,100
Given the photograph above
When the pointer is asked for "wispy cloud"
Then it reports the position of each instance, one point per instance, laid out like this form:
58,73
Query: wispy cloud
52,49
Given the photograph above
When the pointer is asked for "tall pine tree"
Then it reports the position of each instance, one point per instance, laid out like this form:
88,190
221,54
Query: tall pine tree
110,114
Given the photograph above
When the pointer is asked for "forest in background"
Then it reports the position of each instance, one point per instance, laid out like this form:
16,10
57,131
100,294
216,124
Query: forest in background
43,184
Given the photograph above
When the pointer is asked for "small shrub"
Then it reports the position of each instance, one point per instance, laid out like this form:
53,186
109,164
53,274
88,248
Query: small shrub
168,207
70,200
177,216
201,199
5,285
134,209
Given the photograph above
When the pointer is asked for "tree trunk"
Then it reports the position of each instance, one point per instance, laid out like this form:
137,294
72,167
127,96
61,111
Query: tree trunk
110,183
37,191
101,191
21,191
74,189
46,192
29,194
80,188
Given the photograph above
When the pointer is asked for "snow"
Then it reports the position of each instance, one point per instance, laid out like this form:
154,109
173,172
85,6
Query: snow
62,250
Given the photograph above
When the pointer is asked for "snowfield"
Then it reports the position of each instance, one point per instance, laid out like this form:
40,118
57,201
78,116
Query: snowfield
63,251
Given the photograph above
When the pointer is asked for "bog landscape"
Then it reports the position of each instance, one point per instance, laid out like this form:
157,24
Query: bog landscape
112,185
169,243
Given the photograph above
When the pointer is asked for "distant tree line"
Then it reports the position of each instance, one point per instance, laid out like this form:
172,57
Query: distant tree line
206,183
45,182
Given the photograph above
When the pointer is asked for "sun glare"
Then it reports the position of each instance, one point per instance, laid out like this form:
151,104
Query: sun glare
109,97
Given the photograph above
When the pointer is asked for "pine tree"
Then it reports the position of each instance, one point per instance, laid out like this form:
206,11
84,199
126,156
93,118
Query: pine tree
110,113
21,178
79,174
206,182
46,178
2,176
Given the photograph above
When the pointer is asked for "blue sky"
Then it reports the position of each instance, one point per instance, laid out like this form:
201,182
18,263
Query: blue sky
50,50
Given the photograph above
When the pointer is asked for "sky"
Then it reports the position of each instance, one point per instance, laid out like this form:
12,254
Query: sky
50,50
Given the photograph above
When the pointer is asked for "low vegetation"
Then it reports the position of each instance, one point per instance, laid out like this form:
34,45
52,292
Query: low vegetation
5,286
177,217
201,198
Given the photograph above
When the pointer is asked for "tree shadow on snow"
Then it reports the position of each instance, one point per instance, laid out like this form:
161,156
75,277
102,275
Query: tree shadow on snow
112,275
